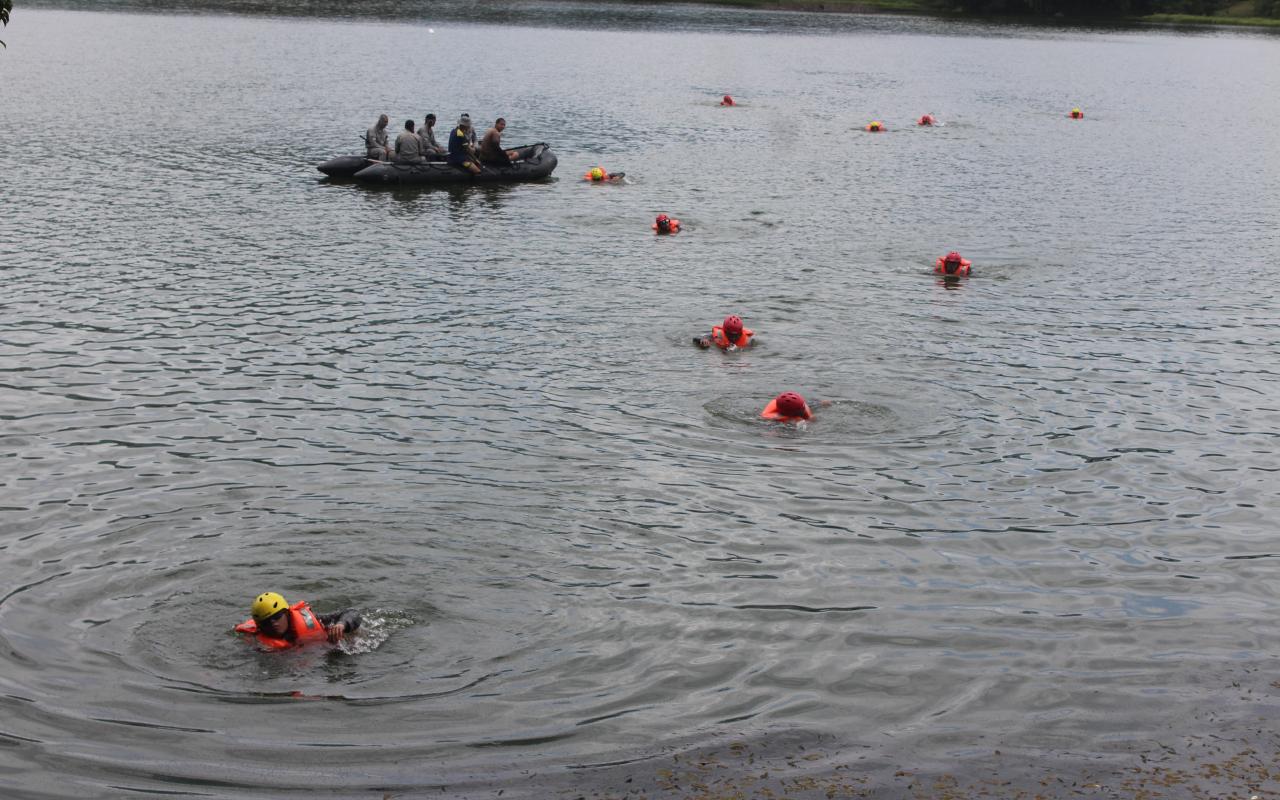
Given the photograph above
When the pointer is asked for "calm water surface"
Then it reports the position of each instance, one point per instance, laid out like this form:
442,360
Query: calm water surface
1034,534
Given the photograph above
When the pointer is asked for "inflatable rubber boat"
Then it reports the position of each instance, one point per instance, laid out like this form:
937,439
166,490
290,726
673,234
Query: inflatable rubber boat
533,162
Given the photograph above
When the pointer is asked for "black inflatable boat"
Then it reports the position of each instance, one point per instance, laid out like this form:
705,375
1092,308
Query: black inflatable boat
533,161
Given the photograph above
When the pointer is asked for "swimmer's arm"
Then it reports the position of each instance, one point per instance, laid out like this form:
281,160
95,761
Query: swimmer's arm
702,341
340,623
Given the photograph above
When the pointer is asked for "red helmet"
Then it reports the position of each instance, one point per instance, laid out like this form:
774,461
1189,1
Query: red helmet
790,404
733,324
953,257
662,218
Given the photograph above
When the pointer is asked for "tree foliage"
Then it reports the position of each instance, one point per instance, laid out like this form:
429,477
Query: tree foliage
5,7
1101,9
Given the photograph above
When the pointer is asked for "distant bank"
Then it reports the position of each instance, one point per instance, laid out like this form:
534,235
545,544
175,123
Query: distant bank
1259,13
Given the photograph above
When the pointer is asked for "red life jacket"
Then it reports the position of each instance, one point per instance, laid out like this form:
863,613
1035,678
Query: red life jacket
722,340
303,622
940,267
771,412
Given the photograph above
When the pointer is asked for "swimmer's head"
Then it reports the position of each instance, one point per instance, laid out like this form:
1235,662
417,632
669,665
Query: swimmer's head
267,605
791,404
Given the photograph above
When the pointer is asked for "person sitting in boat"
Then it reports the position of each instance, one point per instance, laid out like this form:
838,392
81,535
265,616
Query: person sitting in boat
461,152
409,146
491,151
375,141
427,133
471,129
732,335
787,407
952,264
278,625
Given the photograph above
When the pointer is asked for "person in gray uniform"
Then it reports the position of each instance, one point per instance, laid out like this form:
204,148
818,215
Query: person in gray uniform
427,133
375,140
409,146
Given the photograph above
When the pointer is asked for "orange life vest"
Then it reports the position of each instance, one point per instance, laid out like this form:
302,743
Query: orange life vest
603,178
303,622
771,412
675,226
722,340
940,267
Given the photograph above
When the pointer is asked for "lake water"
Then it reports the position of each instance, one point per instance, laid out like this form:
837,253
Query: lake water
1030,547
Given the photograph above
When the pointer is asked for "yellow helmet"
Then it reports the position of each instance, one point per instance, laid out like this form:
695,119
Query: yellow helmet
267,604
597,174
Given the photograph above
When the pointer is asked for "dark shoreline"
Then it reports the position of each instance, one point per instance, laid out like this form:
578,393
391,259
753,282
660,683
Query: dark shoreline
914,7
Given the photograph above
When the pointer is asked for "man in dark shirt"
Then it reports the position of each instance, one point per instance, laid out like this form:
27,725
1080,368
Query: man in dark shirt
461,153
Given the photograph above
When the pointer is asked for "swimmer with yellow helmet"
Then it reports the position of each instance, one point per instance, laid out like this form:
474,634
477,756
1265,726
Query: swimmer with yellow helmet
278,625
601,175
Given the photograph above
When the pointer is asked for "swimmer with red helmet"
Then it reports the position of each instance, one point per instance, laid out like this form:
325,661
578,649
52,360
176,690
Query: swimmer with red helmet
731,335
927,119
789,407
727,101
952,265
664,224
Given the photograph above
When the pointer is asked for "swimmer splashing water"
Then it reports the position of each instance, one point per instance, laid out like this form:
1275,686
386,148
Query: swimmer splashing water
731,335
